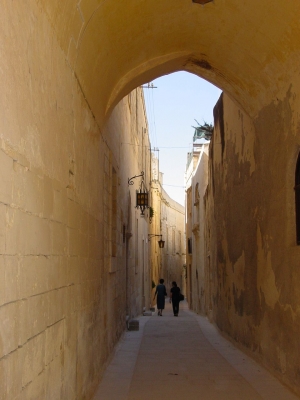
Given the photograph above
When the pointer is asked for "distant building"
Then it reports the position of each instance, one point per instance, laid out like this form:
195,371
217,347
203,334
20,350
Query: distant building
196,179
168,220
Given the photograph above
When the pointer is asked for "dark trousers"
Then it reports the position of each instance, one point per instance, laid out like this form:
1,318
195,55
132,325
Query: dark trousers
175,304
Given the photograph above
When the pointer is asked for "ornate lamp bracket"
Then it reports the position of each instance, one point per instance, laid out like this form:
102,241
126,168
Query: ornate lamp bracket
161,243
130,180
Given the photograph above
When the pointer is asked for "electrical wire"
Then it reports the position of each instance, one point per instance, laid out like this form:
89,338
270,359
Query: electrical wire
163,147
165,184
151,117
154,122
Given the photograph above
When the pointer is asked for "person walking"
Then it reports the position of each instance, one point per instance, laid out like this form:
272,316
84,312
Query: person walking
175,298
161,293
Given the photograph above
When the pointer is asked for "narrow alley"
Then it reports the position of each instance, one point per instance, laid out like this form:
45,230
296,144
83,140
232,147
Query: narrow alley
88,226
184,358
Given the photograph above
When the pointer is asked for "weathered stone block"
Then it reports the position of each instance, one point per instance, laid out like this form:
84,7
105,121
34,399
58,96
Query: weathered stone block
73,266
54,273
60,206
3,378
12,278
74,214
54,342
42,235
73,236
18,185
84,223
63,270
83,248
34,275
14,364
59,238
34,358
6,171
25,322
3,209
16,231
32,235
92,247
54,379
36,389
134,325
38,313
9,328
48,198
91,225
2,280
33,193
147,313
55,297
72,300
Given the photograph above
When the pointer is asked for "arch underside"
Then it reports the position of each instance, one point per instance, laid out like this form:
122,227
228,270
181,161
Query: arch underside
248,49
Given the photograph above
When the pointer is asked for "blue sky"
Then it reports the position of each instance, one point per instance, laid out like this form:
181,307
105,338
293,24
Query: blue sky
172,108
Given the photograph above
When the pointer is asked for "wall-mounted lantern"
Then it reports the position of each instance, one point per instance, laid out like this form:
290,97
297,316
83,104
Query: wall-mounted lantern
142,196
161,243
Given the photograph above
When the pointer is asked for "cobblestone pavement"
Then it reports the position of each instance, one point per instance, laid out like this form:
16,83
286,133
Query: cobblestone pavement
184,358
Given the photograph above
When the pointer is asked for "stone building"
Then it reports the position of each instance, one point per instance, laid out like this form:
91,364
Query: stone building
196,180
168,220
74,258
242,267
251,235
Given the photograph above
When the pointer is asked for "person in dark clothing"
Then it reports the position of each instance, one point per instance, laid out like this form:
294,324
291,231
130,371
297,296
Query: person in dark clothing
161,293
174,298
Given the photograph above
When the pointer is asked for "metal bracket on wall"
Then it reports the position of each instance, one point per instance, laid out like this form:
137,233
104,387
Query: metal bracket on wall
130,180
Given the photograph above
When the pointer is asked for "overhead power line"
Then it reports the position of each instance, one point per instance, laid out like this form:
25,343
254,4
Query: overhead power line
183,187
158,148
149,86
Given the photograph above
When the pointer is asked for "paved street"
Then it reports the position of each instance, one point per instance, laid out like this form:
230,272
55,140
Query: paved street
184,358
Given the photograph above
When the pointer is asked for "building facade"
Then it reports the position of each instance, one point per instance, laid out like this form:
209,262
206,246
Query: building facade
196,178
168,221
247,282
74,258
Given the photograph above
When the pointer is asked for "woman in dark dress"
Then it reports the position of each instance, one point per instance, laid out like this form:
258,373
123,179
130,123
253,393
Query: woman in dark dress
174,297
161,293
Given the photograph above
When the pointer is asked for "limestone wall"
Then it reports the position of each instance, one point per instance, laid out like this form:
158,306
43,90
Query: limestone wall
167,263
196,183
251,233
63,203
173,229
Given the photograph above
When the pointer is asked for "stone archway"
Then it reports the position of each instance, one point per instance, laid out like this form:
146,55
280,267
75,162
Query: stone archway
65,66
248,49
251,50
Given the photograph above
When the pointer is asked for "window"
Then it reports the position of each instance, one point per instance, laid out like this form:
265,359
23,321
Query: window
129,100
124,233
136,245
173,241
197,195
114,213
190,245
167,239
179,242
297,199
